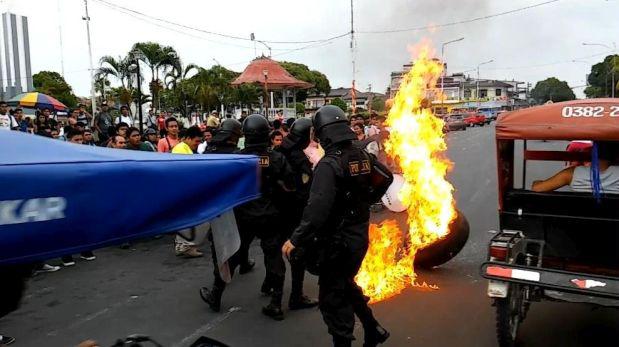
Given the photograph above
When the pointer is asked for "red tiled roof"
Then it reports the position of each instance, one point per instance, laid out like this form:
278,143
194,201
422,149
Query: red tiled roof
277,76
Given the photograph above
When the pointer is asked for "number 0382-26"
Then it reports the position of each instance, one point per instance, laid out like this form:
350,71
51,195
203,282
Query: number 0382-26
588,111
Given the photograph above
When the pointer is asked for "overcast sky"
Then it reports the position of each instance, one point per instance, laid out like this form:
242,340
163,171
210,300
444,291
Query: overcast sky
528,46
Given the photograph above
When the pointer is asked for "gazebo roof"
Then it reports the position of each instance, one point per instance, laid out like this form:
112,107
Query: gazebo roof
277,77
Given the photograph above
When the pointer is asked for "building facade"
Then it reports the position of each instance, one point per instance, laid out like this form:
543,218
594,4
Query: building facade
363,99
15,69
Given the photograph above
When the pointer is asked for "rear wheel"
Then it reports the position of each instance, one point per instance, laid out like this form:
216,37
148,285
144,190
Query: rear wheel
510,312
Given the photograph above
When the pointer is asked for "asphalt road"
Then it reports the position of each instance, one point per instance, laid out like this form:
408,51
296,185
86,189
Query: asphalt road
149,290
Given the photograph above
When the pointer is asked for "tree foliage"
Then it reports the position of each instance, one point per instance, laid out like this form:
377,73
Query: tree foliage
303,73
52,84
340,103
378,104
552,89
600,78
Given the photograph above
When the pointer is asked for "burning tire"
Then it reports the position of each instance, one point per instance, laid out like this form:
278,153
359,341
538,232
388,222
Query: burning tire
445,249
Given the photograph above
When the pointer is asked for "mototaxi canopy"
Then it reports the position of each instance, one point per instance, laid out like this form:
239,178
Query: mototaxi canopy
59,198
589,119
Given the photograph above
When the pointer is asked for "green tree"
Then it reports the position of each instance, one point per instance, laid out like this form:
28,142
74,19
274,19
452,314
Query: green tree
158,59
378,104
340,103
52,84
300,108
303,73
600,78
552,89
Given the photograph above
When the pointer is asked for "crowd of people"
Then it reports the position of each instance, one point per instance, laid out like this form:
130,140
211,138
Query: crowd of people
289,157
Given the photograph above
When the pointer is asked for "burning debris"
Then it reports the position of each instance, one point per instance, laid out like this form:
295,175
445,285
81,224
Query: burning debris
416,143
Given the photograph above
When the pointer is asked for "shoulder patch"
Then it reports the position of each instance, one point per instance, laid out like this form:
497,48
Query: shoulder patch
264,161
359,167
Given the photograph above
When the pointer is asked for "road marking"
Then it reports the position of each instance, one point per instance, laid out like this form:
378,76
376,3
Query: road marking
94,315
206,327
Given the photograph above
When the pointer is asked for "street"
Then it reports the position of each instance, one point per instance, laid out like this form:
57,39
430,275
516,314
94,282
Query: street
148,290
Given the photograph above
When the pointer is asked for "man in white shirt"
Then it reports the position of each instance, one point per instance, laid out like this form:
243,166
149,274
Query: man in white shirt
7,121
124,116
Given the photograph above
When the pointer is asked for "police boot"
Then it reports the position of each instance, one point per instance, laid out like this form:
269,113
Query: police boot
299,302
375,336
274,309
212,297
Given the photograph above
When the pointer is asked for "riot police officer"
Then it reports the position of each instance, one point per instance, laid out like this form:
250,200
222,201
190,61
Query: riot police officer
262,215
226,138
225,142
337,217
292,209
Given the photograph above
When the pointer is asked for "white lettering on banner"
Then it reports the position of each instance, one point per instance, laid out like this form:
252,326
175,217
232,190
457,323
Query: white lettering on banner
589,111
32,210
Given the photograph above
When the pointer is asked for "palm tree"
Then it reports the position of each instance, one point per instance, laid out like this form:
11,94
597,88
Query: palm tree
158,59
119,68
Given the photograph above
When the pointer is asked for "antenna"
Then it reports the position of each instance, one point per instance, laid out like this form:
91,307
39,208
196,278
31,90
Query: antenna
60,37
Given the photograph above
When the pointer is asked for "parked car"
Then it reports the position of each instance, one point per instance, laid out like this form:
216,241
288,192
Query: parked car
474,119
455,122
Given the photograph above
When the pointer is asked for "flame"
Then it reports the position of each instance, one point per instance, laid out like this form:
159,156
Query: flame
416,142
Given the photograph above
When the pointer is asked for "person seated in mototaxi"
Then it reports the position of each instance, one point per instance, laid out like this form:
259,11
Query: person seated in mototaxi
579,177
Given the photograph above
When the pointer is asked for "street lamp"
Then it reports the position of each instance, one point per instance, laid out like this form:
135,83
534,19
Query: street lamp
443,60
137,55
612,70
477,88
253,38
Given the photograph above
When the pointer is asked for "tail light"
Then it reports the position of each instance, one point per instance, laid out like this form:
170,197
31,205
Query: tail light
498,252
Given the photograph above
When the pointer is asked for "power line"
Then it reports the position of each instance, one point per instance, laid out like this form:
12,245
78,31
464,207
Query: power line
228,36
459,22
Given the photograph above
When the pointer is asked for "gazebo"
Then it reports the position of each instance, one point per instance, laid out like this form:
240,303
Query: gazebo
271,76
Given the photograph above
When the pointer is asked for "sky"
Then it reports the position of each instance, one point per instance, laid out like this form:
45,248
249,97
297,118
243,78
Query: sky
529,45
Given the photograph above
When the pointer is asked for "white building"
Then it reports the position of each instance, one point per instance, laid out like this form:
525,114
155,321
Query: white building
15,69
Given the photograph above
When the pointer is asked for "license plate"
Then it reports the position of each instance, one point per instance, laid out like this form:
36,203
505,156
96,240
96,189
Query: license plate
497,289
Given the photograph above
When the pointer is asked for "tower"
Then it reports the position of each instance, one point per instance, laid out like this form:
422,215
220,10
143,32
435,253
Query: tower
15,69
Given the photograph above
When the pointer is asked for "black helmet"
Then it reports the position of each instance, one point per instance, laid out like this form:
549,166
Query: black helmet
256,129
331,126
299,134
229,130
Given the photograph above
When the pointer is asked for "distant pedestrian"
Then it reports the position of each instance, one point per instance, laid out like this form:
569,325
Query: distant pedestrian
161,124
134,141
151,138
124,116
167,143
103,121
23,123
118,142
189,145
83,115
7,121
213,120
88,137
208,136
276,139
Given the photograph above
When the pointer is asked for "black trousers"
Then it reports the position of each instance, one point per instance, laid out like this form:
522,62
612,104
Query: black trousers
339,296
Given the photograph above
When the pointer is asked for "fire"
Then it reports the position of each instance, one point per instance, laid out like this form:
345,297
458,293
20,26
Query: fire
416,142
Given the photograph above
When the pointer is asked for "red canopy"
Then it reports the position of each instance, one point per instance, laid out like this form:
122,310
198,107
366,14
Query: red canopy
589,119
276,76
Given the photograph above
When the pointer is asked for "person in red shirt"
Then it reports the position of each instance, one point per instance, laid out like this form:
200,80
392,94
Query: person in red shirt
161,124
171,139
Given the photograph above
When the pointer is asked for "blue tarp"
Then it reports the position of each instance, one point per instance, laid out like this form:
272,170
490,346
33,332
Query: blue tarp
59,198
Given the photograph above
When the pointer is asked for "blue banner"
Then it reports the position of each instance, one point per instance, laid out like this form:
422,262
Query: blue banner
59,198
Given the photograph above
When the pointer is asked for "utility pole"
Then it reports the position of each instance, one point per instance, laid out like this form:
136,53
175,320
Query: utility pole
92,72
60,37
352,52
444,67
477,84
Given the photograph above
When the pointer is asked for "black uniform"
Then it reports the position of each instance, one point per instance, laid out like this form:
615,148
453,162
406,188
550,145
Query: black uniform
294,203
337,218
262,216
